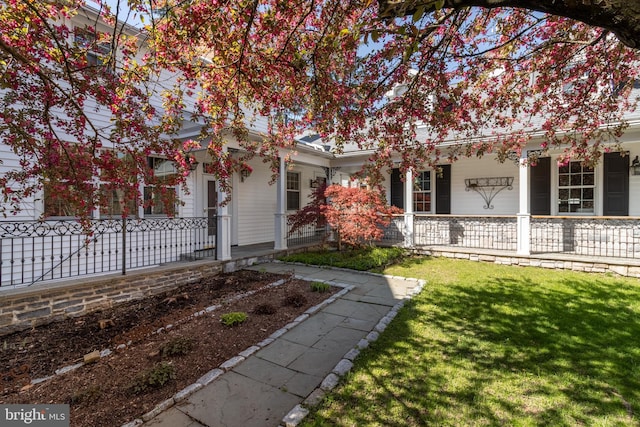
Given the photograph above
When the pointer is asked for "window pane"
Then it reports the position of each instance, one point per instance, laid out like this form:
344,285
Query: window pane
293,181
293,200
160,201
564,180
575,167
588,179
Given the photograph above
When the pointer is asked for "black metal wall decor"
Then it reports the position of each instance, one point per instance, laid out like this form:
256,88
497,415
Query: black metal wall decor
488,188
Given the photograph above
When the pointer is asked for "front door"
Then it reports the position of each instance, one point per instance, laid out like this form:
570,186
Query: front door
540,187
212,209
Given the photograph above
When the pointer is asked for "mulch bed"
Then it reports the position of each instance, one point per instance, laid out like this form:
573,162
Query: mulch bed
111,391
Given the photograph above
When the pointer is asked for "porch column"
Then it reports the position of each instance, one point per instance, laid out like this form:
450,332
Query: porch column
281,208
523,229
408,210
223,239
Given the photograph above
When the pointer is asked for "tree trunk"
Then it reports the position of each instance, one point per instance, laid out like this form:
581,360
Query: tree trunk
621,17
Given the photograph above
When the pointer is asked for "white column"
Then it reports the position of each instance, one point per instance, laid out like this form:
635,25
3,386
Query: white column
523,228
281,208
408,210
223,243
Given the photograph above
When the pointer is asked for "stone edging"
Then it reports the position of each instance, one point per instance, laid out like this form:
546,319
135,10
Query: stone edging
215,373
299,412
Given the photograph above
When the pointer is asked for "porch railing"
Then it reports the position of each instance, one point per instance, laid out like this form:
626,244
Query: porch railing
313,233
617,237
31,251
496,232
590,236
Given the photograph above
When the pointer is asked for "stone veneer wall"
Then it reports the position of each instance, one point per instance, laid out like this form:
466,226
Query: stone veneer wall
600,266
26,307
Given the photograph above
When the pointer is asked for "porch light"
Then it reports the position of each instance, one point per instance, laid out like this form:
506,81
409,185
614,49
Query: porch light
192,163
314,183
245,172
635,166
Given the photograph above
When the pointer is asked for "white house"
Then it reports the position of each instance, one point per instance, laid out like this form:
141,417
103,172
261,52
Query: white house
473,203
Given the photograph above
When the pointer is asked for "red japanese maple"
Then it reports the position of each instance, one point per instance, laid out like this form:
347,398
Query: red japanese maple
357,215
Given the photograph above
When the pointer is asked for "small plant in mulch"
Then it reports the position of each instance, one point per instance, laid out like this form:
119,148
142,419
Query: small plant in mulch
295,300
178,346
264,309
88,395
234,318
320,287
155,377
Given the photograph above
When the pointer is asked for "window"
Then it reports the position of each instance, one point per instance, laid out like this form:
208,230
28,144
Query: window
97,52
576,184
161,198
422,192
293,191
64,197
55,204
160,201
116,201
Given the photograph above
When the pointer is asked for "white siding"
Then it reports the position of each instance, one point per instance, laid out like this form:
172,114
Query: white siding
256,206
470,202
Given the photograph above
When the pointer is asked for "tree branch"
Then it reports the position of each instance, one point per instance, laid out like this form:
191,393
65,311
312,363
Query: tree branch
621,17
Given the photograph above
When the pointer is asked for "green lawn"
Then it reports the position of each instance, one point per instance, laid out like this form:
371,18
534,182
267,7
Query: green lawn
485,344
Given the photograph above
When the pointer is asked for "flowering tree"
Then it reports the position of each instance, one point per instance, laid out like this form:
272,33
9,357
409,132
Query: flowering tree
357,215
482,77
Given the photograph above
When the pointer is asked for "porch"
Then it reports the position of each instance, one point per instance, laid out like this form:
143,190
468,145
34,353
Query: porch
597,244
37,252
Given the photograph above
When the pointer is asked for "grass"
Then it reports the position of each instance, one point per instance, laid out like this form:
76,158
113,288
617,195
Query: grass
485,344
363,259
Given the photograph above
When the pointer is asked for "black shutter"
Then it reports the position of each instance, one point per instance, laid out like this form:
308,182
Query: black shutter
616,185
397,189
443,190
540,187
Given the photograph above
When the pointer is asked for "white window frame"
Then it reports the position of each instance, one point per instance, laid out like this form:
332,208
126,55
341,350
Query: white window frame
576,191
419,191
291,189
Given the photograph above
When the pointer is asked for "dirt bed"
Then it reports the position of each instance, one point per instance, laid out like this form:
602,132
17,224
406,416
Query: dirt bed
125,384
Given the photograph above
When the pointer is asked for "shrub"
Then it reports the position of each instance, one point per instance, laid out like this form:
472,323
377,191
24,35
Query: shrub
88,395
265,309
320,287
155,377
233,318
295,300
177,347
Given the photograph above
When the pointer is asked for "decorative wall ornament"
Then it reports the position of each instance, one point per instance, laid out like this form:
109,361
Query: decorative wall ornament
488,188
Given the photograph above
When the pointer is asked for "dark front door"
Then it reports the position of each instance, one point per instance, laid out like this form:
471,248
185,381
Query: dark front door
397,189
212,208
540,190
443,190
616,185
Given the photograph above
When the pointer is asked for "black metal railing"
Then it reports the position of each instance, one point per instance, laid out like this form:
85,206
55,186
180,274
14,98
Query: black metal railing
617,237
33,251
479,232
394,233
589,236
313,233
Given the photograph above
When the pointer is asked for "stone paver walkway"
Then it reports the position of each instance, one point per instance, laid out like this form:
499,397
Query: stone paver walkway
270,384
